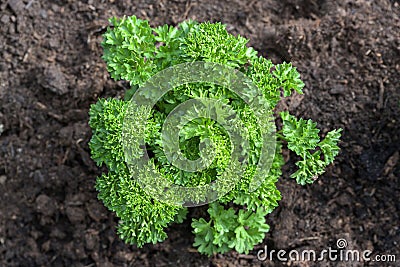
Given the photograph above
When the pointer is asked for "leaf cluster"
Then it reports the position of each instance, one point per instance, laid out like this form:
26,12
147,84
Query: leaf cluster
229,229
143,219
303,139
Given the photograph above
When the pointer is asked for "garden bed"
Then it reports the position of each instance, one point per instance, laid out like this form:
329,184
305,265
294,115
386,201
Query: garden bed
51,71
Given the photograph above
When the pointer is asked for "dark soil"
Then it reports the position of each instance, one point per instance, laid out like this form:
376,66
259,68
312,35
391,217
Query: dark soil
348,53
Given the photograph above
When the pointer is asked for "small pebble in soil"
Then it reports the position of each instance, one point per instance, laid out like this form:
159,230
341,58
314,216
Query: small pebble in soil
17,6
43,13
45,205
3,179
75,214
54,80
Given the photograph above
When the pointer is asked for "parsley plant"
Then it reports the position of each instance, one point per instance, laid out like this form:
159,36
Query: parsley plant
134,51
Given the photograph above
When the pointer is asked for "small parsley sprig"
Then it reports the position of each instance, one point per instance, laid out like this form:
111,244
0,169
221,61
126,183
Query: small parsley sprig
135,51
302,138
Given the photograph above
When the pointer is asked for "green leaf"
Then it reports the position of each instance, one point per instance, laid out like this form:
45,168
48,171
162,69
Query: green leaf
211,42
302,137
227,230
329,146
204,237
289,78
129,48
106,118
